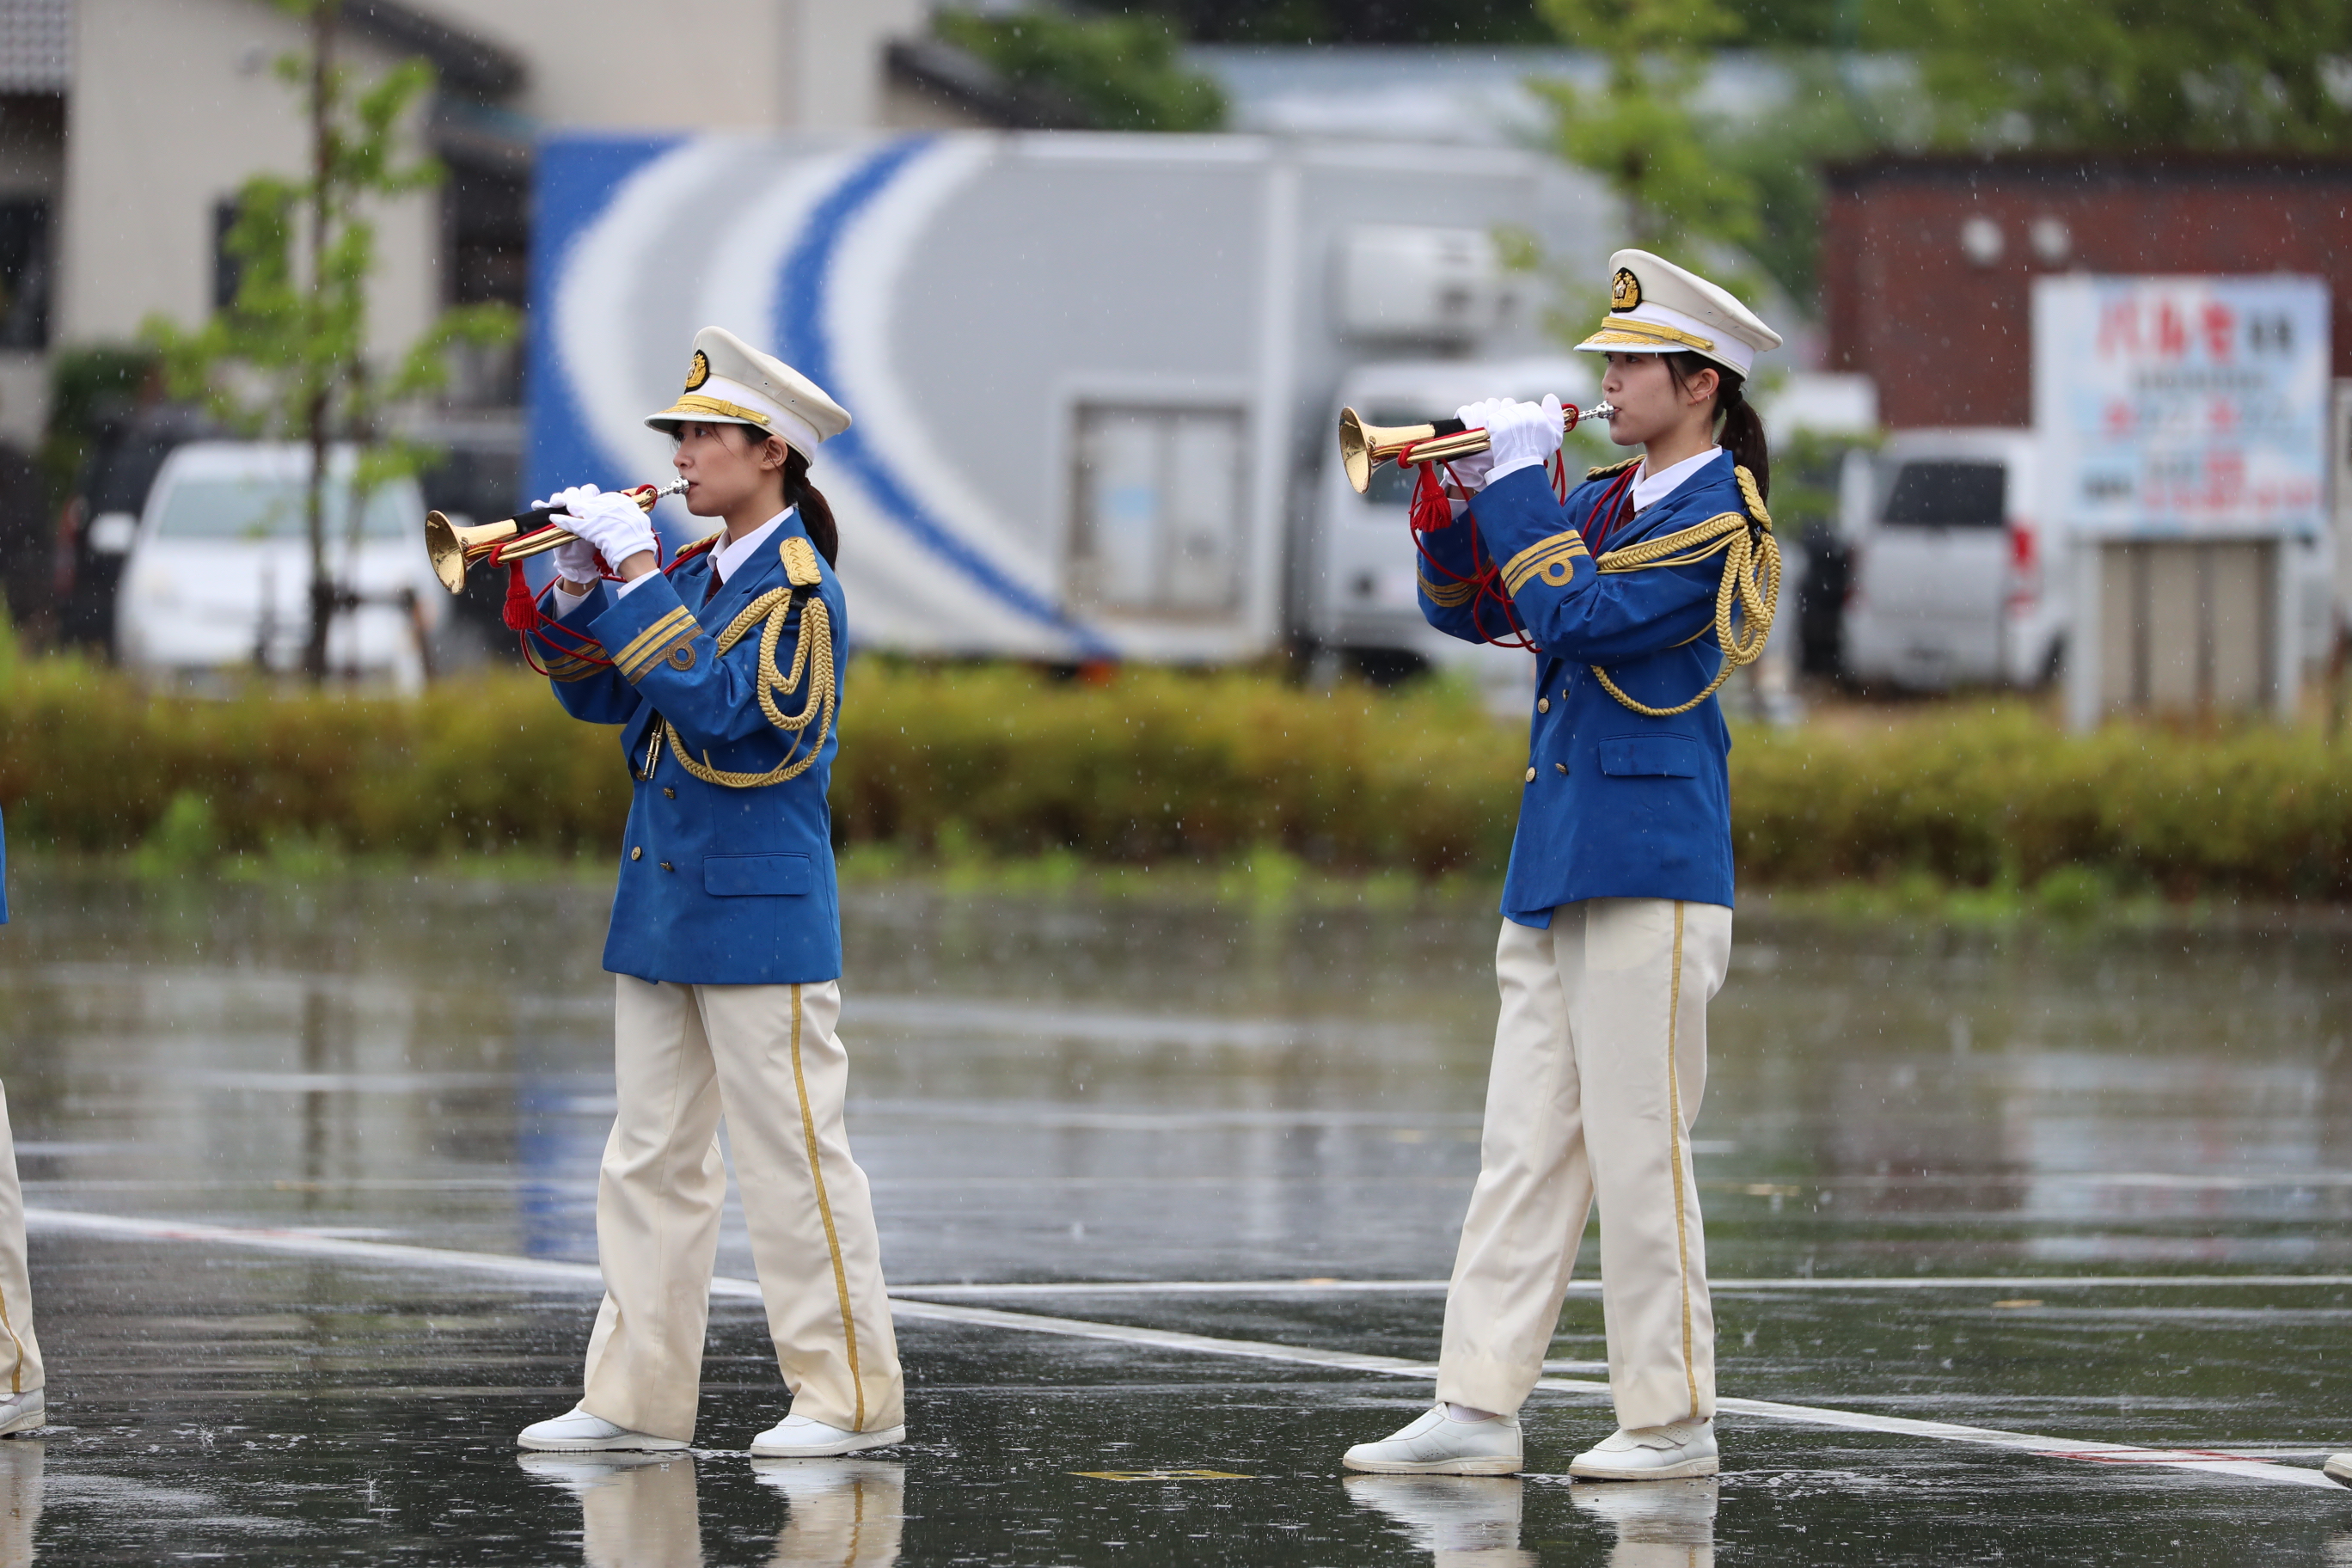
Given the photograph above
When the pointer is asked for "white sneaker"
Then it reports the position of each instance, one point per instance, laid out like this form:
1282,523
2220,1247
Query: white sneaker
577,1432
1449,1517
22,1412
1651,1454
2338,1465
580,1473
799,1438
1437,1445
1671,1513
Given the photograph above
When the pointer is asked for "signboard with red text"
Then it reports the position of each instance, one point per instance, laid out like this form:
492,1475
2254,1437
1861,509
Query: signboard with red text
2183,407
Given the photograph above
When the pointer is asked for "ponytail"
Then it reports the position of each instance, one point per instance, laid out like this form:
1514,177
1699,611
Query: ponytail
816,515
1742,432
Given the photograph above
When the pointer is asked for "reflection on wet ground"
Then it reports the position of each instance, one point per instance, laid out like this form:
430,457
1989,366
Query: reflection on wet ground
2090,1189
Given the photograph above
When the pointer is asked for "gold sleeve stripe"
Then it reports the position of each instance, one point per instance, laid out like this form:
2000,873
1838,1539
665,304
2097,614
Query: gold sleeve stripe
1554,559
566,668
660,651
660,632
1447,594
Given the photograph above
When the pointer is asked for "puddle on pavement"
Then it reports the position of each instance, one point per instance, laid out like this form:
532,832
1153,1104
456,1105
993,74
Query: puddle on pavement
1054,1088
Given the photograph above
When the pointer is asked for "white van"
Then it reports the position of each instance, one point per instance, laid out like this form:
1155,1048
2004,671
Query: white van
219,571
1952,580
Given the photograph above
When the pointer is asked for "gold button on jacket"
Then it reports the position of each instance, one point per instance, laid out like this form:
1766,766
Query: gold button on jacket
1531,775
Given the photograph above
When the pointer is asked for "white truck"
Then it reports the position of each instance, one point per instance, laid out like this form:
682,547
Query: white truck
1093,377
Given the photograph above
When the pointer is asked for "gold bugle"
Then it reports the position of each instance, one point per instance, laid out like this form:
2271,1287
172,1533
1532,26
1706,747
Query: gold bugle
452,549
1363,447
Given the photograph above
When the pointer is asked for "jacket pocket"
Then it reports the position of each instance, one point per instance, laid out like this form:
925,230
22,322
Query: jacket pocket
1650,756
740,876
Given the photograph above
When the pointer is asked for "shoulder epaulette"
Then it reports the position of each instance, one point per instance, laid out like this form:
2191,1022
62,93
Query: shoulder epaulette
1606,469
686,553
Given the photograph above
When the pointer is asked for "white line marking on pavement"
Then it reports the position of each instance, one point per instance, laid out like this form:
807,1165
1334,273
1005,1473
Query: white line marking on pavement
1910,1282
313,1244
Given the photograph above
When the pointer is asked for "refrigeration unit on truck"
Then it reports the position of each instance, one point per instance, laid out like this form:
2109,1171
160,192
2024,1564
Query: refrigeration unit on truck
1093,376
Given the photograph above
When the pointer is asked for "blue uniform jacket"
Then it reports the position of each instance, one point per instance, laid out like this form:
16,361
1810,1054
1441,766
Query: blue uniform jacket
720,886
1614,805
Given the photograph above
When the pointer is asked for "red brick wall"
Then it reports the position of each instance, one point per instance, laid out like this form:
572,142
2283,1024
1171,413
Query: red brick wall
1950,342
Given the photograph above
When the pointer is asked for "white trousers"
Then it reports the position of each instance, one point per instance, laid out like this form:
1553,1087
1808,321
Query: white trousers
20,1353
767,1057
1599,1062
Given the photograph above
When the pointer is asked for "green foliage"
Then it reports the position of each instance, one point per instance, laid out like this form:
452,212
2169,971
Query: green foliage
970,767
1166,766
2131,73
1638,131
186,838
91,762
1984,796
1120,73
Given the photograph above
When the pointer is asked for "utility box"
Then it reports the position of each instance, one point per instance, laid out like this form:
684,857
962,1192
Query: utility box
2184,425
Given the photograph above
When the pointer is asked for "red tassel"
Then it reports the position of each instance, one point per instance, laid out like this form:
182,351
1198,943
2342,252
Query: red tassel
522,605
1430,510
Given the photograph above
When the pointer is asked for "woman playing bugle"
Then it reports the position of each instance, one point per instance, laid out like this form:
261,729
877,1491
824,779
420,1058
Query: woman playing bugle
1638,591
726,937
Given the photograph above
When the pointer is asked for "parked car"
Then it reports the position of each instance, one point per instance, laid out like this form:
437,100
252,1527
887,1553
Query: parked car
218,574
101,517
1951,579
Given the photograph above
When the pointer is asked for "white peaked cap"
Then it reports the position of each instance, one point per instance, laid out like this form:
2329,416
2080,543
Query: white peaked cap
1658,308
729,382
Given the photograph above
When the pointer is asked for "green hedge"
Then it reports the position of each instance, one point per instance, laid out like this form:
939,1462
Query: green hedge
1158,766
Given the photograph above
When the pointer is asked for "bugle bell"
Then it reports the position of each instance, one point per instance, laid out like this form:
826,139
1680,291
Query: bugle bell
453,549
1363,447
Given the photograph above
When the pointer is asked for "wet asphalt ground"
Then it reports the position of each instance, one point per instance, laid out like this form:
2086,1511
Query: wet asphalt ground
2030,1247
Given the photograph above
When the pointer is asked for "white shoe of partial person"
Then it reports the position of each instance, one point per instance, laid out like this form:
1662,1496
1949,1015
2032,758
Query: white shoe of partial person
1437,1445
801,1438
577,1432
22,1412
1671,1452
1671,1513
582,1473
1449,1517
2339,1467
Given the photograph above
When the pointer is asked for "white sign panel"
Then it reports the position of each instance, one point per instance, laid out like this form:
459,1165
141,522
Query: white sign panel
2183,407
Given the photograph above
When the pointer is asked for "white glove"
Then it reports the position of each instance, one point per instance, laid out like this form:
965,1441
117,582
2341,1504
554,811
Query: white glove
1470,474
609,521
1520,435
575,559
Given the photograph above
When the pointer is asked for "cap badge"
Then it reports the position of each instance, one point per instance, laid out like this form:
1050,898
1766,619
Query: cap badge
1625,290
700,371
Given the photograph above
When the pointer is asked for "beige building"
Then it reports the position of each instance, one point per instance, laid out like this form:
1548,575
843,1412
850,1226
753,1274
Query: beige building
127,126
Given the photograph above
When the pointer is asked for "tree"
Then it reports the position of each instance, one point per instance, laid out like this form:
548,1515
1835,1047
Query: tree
1639,130
1108,73
2131,73
289,358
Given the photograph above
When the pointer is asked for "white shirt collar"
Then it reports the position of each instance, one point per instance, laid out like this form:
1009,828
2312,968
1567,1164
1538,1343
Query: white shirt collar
1651,488
727,557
